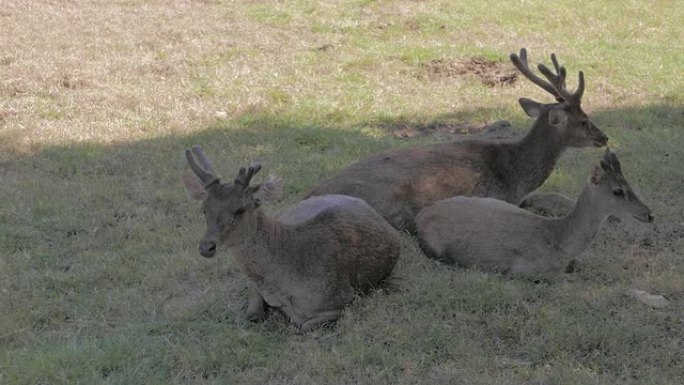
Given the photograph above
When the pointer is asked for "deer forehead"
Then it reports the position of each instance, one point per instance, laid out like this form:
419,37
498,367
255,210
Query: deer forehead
574,111
225,196
615,179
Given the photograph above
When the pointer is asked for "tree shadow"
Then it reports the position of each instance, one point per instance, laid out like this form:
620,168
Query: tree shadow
648,140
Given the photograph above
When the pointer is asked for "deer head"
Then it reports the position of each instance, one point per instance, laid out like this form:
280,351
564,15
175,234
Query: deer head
616,193
227,207
565,115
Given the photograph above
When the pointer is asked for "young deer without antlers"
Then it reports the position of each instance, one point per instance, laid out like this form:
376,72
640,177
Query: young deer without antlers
310,260
496,235
399,183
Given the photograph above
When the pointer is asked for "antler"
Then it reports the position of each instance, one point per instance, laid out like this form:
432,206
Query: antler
206,171
610,162
556,82
245,175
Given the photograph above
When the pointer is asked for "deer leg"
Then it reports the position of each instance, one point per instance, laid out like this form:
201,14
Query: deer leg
321,319
255,305
547,204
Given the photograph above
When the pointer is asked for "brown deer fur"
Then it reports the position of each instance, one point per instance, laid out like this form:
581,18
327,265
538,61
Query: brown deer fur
308,261
399,183
495,235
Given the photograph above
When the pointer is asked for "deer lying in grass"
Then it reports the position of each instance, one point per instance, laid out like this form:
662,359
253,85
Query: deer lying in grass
401,182
310,260
496,235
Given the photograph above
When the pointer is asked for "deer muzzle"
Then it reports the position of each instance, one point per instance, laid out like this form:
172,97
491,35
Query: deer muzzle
646,218
207,248
599,138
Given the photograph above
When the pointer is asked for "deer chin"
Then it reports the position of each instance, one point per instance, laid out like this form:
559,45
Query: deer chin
645,218
599,142
592,141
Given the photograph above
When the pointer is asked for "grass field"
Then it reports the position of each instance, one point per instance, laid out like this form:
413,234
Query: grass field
100,278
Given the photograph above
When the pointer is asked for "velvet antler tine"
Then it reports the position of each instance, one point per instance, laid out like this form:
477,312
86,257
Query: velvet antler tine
611,160
207,178
204,161
245,175
554,60
520,62
523,55
580,88
251,172
555,82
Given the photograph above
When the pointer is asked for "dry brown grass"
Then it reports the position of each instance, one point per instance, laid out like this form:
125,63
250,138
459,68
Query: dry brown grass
110,72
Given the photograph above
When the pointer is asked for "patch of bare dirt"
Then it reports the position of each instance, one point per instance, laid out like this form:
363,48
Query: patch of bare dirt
491,73
13,88
73,82
160,69
7,113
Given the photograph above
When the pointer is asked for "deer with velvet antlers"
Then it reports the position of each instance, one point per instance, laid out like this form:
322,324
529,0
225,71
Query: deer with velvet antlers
399,183
308,261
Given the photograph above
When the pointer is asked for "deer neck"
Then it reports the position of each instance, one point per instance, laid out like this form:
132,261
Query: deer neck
533,158
579,228
257,249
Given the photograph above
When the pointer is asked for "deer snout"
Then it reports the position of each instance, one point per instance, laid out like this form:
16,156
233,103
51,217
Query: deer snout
648,217
207,248
600,139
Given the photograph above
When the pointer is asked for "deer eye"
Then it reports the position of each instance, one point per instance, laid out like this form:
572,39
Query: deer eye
618,192
239,211
585,124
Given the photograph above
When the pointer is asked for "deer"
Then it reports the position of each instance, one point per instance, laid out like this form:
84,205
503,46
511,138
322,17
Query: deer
310,260
399,183
495,235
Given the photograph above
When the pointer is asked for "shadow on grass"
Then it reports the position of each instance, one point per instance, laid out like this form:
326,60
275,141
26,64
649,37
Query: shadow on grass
43,188
305,152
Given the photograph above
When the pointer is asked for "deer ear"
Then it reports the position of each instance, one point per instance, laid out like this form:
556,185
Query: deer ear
557,117
596,175
194,187
269,190
532,109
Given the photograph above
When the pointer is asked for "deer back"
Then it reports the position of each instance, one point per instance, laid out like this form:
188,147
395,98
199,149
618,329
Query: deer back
342,234
400,183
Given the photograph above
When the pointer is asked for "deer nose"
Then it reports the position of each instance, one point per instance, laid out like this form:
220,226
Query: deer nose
601,139
207,249
604,139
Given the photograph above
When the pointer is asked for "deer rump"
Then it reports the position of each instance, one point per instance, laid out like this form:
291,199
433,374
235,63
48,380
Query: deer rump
360,246
489,234
327,248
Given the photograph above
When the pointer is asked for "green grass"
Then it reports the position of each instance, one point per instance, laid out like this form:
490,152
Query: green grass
100,279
